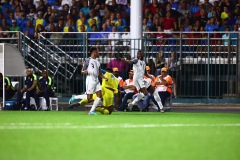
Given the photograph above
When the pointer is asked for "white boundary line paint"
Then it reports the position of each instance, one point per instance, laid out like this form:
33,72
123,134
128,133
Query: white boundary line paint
10,126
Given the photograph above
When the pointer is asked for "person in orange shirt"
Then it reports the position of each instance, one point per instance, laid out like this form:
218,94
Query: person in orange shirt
163,84
116,74
151,77
129,91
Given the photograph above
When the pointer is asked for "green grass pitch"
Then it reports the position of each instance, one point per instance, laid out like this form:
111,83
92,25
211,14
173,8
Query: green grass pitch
74,135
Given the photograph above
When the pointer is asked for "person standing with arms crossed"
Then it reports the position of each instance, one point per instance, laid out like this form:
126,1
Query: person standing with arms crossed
91,68
139,69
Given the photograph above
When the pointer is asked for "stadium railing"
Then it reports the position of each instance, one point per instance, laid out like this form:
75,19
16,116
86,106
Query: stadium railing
207,67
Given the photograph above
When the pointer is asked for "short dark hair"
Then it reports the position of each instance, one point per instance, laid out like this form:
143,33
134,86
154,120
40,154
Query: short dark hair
109,70
92,49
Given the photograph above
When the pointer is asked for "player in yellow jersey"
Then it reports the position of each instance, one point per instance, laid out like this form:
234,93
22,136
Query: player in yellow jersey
109,88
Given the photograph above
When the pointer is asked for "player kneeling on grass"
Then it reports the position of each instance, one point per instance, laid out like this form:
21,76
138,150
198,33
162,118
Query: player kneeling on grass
109,88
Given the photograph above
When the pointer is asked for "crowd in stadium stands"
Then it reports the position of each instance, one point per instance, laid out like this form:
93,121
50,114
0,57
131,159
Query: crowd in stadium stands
34,16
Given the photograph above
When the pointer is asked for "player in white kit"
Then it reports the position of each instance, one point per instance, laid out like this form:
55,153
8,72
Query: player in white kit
139,69
91,68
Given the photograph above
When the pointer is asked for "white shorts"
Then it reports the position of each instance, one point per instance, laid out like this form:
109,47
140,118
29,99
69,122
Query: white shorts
92,86
141,83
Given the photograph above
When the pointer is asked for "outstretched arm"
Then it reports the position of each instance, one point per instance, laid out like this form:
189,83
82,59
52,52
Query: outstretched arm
134,61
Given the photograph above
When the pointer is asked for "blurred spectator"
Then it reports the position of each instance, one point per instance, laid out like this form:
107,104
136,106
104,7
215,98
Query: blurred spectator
21,22
197,25
226,3
163,84
102,11
94,38
109,25
75,4
6,6
74,14
96,6
94,23
56,7
173,67
18,13
14,27
65,10
9,89
91,17
104,37
32,16
60,25
160,41
68,2
45,89
215,41
50,22
39,20
160,62
211,25
225,42
81,21
112,18
5,26
70,23
148,38
114,40
55,37
206,5
151,68
212,12
51,2
202,17
48,14
29,28
231,19
233,36
126,39
156,23
224,25
27,4
11,17
122,66
42,7
113,6
129,91
224,14
169,22
194,7
118,16
202,43
144,24
120,25
85,9
38,30
191,43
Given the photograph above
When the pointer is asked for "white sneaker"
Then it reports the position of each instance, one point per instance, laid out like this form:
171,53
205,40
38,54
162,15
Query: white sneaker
130,106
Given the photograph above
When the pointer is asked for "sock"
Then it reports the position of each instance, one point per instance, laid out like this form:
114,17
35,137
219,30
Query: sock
138,98
80,97
158,99
95,104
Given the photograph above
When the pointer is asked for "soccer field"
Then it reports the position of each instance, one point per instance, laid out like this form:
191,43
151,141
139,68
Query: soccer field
75,135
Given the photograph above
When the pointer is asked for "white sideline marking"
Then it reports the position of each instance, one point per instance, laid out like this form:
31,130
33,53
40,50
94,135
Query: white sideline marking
74,126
